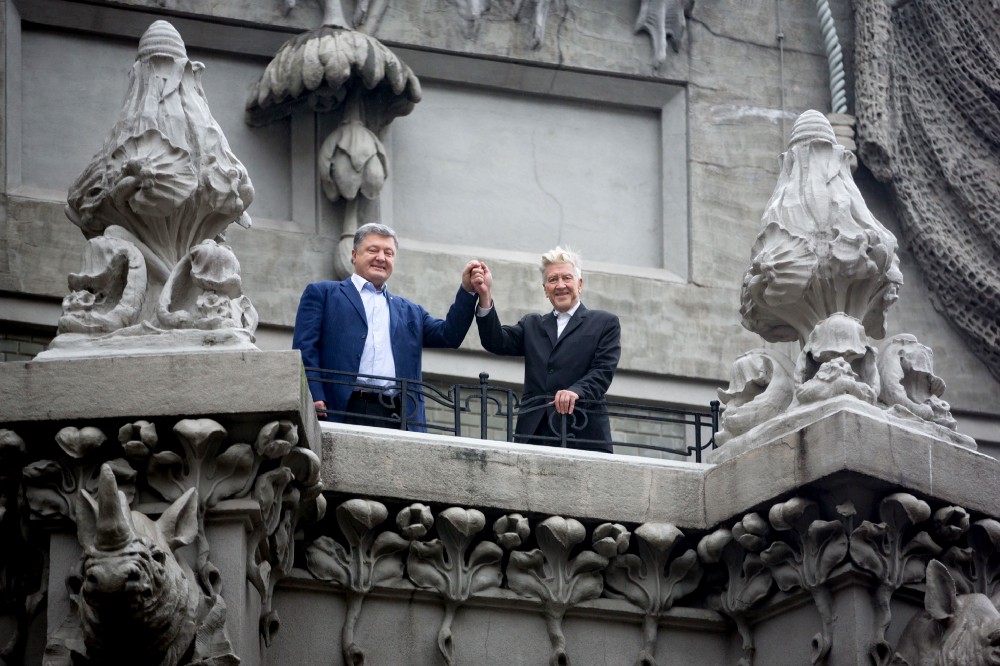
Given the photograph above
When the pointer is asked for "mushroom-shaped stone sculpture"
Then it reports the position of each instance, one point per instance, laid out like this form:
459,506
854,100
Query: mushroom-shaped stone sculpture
335,69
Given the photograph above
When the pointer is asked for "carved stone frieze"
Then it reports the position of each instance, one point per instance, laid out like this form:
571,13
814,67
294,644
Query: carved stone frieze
550,574
895,552
748,581
813,552
164,182
539,17
85,477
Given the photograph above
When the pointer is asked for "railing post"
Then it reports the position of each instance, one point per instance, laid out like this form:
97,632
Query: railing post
404,401
509,409
456,408
562,430
484,386
715,420
697,438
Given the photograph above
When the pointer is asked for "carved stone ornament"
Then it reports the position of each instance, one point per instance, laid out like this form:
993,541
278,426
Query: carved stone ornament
665,22
368,559
164,182
953,629
748,579
824,272
820,250
655,579
760,389
134,600
549,574
91,479
335,69
453,568
909,385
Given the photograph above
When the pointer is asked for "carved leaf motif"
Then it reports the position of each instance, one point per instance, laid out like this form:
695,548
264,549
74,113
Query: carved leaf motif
884,550
441,564
327,560
548,573
817,547
276,439
45,488
233,474
749,580
645,580
268,491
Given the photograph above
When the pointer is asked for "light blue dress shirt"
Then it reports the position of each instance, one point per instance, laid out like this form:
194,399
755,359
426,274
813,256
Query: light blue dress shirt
376,358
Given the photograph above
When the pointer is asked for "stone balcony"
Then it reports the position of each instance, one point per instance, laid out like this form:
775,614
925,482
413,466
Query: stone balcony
580,534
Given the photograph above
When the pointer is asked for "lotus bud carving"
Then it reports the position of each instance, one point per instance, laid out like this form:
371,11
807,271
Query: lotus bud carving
610,539
138,439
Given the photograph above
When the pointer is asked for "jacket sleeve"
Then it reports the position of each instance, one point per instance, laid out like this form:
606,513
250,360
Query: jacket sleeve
450,331
309,333
595,382
497,338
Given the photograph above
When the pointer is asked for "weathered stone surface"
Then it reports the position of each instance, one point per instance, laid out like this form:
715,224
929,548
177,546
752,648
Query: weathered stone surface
188,385
513,477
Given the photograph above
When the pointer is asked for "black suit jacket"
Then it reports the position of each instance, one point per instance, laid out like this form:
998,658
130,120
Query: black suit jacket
583,360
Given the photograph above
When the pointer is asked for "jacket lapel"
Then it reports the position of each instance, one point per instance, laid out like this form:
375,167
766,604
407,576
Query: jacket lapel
355,299
395,315
550,327
573,323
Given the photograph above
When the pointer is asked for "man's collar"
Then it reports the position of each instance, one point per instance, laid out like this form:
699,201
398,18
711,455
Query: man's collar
359,283
570,312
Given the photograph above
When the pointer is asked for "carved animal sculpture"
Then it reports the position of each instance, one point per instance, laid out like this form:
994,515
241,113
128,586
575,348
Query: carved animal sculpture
952,630
138,604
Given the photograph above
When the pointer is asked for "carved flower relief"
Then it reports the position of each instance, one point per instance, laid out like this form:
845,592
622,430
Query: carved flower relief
166,174
276,439
139,439
415,521
610,539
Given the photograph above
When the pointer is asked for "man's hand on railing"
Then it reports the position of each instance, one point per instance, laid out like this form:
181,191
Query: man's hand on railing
565,401
320,406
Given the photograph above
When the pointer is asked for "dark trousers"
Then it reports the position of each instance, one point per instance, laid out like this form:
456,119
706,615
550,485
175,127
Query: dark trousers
370,408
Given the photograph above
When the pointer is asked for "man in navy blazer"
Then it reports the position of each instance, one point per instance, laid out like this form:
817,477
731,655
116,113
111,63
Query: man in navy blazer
570,352
357,326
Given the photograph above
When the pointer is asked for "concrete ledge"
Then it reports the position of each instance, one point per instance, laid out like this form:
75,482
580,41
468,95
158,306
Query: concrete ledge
512,477
848,441
268,384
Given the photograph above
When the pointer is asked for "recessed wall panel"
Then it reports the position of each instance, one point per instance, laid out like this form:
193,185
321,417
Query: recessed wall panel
527,172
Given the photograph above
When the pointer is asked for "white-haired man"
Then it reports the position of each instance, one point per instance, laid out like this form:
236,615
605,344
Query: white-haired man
570,353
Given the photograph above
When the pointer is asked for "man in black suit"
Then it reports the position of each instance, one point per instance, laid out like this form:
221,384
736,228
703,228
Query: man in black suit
570,352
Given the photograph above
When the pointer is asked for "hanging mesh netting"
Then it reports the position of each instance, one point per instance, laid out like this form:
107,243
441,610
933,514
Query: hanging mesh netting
928,109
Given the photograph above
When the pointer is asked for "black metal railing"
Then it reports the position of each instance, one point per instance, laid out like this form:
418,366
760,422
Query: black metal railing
477,406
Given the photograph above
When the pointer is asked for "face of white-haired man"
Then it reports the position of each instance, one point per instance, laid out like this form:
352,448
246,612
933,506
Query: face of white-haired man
562,286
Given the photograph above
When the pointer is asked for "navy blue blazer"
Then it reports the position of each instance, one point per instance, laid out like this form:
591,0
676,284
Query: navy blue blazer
583,359
330,331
